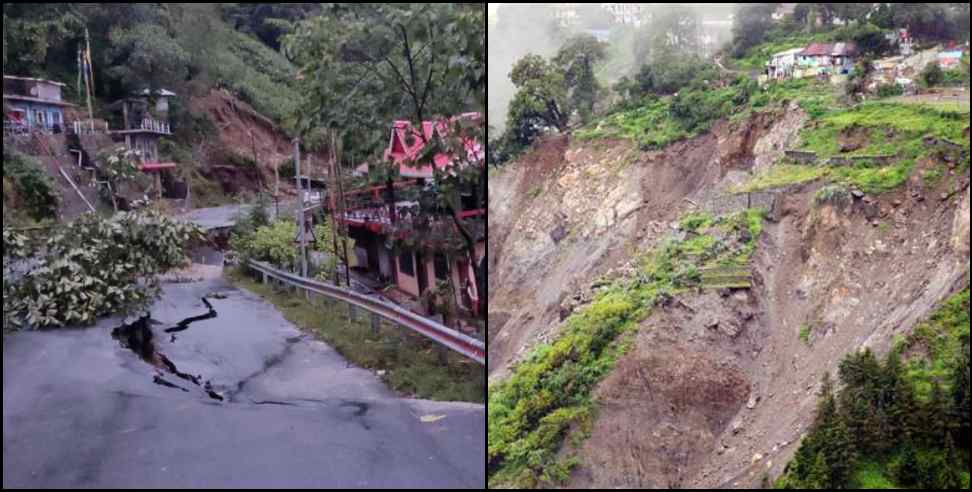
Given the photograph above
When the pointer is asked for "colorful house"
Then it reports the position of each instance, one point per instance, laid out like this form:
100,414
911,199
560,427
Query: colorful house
431,257
33,104
826,58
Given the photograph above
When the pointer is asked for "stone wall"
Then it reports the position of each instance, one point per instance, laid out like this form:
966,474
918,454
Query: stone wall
730,204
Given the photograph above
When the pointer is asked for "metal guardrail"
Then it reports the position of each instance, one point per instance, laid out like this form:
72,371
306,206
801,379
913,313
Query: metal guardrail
464,345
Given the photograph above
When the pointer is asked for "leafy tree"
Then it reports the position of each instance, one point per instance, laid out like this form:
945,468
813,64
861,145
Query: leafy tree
268,21
752,22
95,267
965,66
577,60
932,75
365,65
949,477
541,99
961,395
674,32
145,55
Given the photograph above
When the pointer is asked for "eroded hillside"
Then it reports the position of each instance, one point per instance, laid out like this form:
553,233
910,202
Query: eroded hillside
715,387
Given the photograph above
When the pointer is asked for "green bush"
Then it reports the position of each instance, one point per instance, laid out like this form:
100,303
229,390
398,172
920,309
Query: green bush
889,90
273,243
32,184
933,75
96,267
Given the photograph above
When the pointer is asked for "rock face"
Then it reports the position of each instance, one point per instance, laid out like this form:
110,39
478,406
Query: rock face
960,231
711,380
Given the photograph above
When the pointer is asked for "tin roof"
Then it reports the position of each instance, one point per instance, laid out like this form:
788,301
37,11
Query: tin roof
828,49
28,79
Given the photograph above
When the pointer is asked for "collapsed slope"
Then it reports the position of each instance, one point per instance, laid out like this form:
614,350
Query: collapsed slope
715,389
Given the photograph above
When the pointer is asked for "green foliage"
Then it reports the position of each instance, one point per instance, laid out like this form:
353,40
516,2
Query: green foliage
146,55
894,129
409,362
119,164
96,267
932,75
31,184
889,90
651,125
697,110
752,23
805,332
364,64
905,436
273,243
549,392
577,59
836,195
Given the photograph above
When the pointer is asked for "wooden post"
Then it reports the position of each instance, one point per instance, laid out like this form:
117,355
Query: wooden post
352,313
300,211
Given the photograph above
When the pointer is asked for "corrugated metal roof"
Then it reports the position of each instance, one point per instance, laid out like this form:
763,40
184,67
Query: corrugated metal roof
28,79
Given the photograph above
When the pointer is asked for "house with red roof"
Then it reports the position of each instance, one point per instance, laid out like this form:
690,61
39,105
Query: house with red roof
428,248
828,58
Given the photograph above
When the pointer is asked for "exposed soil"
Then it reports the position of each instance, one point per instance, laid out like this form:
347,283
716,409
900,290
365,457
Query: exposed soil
717,389
245,132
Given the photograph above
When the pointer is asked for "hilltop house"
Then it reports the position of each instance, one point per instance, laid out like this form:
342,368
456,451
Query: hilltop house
426,252
827,58
33,104
781,65
143,125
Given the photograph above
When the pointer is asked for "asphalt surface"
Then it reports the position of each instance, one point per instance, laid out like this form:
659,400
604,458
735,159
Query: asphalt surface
241,399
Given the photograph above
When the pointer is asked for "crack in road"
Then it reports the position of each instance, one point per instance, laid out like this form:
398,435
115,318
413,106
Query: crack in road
139,338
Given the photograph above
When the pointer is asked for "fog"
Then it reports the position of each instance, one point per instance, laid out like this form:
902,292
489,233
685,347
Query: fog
516,30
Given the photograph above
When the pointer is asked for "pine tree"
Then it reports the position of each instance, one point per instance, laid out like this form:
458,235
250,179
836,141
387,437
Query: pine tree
905,412
949,477
961,396
819,476
935,415
907,472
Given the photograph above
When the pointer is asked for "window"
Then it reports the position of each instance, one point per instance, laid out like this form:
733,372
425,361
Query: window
406,263
441,267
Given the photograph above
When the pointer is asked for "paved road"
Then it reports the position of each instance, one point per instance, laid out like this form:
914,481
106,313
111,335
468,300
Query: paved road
80,409
216,217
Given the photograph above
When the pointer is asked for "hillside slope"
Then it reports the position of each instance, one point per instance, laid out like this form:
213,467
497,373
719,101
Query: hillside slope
717,387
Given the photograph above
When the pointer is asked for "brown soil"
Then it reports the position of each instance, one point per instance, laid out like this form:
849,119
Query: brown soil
716,390
245,132
853,138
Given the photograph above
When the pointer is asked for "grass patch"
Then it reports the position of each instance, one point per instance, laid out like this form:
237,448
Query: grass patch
650,125
805,334
550,392
893,129
411,362
941,337
871,475
783,175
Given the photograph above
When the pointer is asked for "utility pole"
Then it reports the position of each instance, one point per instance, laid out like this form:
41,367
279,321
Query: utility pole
89,74
301,226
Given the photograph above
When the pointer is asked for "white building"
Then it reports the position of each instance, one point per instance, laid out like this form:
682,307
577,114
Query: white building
782,65
625,13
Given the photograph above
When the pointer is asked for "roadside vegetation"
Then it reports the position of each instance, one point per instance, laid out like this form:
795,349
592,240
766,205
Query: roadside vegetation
898,423
408,363
93,267
550,390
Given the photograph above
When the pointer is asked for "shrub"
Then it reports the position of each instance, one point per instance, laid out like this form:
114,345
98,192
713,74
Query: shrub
836,195
273,243
933,75
32,184
889,90
96,267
